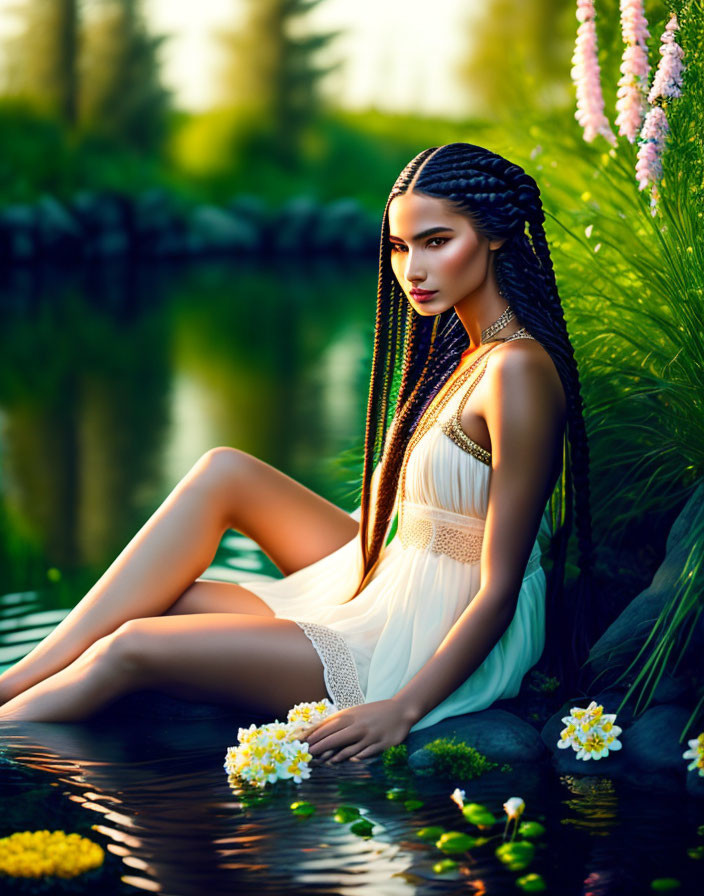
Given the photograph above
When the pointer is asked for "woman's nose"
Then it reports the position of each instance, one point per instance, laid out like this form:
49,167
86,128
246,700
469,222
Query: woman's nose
414,271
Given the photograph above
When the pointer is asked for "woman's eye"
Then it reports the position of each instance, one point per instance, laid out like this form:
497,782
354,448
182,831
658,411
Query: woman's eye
397,247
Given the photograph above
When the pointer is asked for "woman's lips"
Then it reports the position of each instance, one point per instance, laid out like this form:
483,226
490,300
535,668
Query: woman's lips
423,295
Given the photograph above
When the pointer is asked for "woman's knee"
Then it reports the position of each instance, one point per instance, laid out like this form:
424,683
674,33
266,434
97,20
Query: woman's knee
219,473
123,651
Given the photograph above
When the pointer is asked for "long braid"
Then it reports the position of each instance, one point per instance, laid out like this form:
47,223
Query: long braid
500,198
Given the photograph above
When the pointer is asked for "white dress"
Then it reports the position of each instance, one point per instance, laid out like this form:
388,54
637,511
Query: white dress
426,576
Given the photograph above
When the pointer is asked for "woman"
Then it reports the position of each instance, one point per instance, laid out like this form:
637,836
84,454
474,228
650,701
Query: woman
444,618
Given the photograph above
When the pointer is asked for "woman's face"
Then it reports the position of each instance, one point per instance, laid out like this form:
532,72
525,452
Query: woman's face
452,260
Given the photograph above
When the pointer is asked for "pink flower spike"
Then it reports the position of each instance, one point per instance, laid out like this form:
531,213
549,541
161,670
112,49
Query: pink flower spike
633,84
585,74
668,78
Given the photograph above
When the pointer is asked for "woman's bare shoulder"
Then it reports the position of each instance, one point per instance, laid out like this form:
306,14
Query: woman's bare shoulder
526,357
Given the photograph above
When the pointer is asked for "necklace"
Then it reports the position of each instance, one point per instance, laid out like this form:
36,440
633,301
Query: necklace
498,324
431,414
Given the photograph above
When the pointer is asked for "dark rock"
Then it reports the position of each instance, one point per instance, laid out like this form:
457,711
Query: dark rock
58,232
695,782
671,689
652,741
221,231
344,225
295,224
650,757
18,232
623,638
499,735
105,221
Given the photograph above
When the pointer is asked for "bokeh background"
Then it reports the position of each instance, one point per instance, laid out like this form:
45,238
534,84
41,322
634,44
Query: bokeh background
190,202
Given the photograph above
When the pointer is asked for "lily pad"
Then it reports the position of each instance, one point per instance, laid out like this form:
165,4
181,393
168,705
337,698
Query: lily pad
531,883
413,804
430,833
664,883
396,793
517,855
455,841
477,814
362,827
531,829
445,865
343,814
301,807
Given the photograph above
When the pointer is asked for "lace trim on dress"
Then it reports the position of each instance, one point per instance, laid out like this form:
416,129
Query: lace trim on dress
339,668
441,531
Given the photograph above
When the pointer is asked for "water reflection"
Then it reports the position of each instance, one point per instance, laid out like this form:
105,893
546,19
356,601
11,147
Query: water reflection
113,384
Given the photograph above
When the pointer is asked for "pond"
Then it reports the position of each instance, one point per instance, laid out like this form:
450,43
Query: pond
112,383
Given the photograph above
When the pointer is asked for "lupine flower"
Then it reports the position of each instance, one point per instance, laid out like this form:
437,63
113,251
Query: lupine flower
653,136
590,732
652,145
633,84
271,752
458,796
667,82
586,76
696,754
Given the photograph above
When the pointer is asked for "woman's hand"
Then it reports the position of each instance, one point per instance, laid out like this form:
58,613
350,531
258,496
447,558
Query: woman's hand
357,732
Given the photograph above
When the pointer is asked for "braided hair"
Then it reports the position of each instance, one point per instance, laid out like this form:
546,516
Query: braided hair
414,355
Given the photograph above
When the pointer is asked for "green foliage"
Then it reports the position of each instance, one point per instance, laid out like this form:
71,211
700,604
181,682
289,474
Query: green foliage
395,756
516,855
455,841
458,759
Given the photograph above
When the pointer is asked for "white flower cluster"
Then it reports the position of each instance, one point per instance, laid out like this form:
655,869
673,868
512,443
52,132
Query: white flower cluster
696,754
590,732
271,752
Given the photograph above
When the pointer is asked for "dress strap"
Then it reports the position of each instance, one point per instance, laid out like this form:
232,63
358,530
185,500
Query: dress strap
452,427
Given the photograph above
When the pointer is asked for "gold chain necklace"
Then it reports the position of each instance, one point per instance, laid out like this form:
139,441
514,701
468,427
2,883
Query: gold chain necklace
431,414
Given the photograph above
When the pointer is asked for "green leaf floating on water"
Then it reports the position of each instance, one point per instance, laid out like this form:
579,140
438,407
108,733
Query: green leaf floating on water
531,829
455,841
413,804
664,883
362,828
531,883
517,855
431,833
477,814
301,807
343,814
696,852
445,865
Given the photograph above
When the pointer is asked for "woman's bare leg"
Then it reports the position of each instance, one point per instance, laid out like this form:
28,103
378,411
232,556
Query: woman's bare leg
262,664
225,489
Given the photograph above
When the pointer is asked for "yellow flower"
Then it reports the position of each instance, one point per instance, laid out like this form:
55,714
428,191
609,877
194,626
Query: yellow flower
40,853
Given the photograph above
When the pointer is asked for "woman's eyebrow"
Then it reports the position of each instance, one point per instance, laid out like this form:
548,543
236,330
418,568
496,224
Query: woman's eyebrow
419,236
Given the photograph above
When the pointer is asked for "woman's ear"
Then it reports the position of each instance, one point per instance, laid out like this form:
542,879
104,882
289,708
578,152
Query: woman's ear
496,244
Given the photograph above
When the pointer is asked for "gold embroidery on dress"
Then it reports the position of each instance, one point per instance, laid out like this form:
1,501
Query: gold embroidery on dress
452,427
423,527
441,531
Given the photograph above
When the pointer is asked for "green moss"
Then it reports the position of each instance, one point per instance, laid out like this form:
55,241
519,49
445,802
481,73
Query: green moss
457,759
395,757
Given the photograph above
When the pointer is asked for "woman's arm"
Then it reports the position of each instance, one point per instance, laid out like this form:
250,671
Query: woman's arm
525,419
525,422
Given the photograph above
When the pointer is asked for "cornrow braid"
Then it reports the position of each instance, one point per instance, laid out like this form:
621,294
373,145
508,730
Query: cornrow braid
500,199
